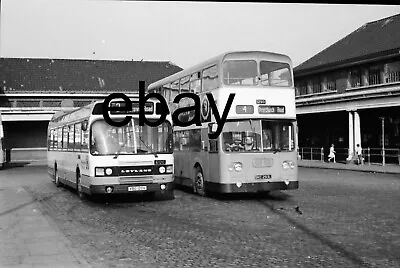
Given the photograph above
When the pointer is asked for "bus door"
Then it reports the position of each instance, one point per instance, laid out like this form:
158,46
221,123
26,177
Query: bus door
204,153
213,155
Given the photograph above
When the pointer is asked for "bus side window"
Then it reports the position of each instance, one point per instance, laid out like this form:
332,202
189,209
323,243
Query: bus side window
210,78
175,86
71,138
185,84
78,136
49,139
60,138
65,138
176,141
167,93
195,83
85,140
195,140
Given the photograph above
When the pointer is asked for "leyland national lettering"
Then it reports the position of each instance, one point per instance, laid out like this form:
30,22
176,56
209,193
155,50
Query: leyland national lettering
163,110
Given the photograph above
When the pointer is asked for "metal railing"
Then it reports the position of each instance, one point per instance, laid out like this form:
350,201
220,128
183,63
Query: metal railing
370,155
385,156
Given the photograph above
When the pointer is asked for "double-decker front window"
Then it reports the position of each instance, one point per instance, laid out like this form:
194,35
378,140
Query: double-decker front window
130,139
240,72
252,73
275,74
258,136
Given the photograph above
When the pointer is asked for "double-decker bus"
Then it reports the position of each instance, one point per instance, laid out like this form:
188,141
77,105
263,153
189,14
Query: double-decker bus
94,157
257,148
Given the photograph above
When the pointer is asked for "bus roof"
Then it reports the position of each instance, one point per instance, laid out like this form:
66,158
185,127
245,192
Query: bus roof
86,111
215,60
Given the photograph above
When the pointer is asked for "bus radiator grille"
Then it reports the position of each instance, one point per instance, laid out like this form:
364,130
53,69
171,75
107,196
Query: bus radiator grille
263,162
139,179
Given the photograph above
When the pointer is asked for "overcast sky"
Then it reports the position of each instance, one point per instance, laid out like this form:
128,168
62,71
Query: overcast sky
184,33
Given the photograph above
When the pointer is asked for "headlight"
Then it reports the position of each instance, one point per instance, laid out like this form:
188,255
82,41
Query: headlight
161,170
170,169
291,164
285,165
109,171
99,171
237,166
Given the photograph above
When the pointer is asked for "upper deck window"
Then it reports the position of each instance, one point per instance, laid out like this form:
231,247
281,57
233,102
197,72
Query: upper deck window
210,78
276,74
240,72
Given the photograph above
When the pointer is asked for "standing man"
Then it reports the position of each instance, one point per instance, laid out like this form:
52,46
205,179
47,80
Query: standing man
359,154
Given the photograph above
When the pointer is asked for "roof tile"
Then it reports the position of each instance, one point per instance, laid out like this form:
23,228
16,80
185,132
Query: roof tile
372,38
22,75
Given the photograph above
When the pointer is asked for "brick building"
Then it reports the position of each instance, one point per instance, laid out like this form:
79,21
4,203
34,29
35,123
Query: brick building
32,90
349,94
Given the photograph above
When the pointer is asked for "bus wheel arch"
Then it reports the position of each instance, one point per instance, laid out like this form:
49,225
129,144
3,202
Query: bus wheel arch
198,180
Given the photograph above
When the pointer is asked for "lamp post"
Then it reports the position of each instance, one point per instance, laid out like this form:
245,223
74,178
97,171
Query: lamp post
383,140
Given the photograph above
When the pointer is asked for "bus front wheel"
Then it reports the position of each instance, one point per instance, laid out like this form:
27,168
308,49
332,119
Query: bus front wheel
199,182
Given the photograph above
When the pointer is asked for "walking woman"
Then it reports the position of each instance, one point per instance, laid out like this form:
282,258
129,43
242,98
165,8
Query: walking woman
332,154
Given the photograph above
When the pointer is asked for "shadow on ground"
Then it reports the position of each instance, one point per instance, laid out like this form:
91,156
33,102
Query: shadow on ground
14,165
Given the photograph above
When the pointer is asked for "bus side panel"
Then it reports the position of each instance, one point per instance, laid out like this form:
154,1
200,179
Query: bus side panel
182,168
214,163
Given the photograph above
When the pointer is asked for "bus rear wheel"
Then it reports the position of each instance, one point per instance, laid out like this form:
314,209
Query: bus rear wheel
199,186
56,178
79,189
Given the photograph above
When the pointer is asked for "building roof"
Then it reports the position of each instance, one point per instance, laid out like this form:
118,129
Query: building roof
373,39
24,75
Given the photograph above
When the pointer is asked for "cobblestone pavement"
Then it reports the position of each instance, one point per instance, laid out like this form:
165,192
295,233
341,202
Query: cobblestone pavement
343,219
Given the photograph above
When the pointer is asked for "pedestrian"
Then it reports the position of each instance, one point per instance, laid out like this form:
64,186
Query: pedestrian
332,154
359,154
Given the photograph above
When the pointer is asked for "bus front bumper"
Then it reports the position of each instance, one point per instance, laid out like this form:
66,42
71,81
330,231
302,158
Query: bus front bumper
251,187
131,188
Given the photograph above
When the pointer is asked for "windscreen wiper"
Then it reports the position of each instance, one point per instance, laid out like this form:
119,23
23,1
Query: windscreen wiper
277,150
147,146
119,150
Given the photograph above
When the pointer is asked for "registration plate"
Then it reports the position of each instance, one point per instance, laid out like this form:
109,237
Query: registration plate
137,188
263,177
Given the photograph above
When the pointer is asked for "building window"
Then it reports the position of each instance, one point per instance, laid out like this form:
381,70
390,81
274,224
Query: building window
374,77
392,72
331,83
301,88
355,78
316,85
393,77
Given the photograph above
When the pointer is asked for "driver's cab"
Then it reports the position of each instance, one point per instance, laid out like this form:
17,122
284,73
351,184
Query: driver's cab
244,141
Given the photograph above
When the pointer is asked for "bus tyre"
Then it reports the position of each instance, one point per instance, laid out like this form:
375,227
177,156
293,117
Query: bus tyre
79,189
199,187
56,178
